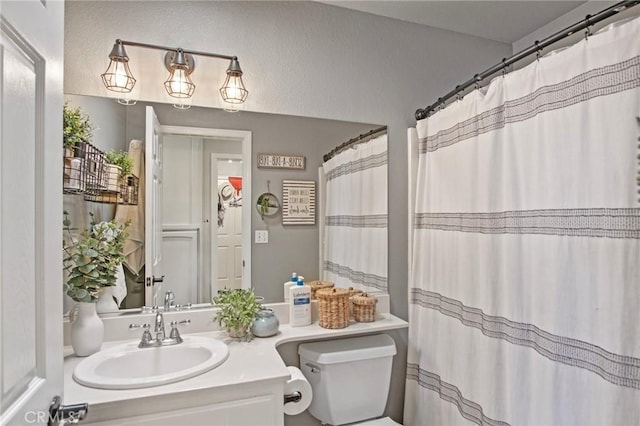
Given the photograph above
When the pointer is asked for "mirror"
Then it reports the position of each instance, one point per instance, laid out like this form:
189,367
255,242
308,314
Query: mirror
196,172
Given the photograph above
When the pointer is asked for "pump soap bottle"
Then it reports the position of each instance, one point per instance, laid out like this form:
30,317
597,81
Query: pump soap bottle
300,304
289,284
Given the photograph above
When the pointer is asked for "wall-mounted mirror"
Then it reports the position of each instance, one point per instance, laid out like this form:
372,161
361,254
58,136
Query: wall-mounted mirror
208,220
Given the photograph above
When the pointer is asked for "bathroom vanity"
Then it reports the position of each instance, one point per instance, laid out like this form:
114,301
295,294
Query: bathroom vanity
246,389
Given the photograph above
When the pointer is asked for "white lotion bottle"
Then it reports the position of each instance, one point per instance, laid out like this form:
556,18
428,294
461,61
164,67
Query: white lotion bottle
289,284
300,304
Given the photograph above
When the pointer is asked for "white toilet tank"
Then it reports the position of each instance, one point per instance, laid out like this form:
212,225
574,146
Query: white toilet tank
349,377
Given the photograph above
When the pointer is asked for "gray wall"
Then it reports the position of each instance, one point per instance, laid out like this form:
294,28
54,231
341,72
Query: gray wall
290,248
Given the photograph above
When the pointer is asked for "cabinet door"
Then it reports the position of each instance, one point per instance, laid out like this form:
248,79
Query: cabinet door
263,410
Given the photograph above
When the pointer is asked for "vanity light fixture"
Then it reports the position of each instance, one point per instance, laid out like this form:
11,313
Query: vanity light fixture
180,63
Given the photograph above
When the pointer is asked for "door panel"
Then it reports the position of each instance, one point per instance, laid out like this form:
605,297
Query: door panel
229,250
153,213
31,53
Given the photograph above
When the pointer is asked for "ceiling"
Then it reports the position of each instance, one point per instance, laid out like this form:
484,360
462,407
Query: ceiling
504,21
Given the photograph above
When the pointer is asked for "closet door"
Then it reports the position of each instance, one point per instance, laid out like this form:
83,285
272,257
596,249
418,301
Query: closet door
31,56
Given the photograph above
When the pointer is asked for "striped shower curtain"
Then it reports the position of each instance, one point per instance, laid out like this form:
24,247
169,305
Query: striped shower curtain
525,297
355,231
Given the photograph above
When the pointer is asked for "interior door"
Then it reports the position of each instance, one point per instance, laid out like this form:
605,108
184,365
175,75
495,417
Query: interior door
229,249
153,214
31,57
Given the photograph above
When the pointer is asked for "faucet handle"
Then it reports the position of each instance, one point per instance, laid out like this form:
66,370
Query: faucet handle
175,334
174,324
134,327
185,306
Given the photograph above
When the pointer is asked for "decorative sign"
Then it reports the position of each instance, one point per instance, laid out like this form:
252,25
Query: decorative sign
298,202
281,161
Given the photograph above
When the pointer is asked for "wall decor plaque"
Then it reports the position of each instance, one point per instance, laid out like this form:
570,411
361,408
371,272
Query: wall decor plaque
281,161
298,202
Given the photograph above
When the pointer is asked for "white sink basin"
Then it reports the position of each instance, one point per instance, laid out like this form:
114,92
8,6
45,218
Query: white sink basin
129,367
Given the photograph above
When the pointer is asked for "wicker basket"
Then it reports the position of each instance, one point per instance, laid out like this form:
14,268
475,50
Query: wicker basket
319,285
333,307
364,307
353,292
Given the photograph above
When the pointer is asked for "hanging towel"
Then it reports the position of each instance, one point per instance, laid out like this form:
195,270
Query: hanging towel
120,289
134,244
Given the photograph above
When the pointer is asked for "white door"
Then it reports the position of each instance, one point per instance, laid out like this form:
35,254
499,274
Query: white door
229,250
153,213
31,55
227,254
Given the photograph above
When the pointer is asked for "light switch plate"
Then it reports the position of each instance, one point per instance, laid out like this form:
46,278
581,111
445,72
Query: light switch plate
262,237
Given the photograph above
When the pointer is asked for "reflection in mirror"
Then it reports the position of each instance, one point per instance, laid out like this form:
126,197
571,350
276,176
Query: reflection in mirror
205,235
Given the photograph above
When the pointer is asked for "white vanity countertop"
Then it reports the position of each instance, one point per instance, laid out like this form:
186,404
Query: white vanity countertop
257,361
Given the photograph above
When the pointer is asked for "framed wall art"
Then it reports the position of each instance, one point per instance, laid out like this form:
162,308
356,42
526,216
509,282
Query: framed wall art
298,202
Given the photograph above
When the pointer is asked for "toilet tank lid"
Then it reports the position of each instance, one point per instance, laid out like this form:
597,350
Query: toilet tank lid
347,350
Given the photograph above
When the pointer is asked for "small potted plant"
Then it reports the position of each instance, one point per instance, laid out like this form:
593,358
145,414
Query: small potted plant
90,260
119,164
77,129
237,311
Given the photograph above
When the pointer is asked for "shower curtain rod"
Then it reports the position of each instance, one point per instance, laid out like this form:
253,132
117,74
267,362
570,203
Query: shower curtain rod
588,21
353,141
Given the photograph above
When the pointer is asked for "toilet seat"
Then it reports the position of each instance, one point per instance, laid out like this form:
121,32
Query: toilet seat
384,421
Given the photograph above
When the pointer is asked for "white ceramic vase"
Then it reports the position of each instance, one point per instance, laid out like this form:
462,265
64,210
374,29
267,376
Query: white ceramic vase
106,302
87,330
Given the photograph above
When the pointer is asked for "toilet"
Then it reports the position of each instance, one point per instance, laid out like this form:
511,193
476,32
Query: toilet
350,379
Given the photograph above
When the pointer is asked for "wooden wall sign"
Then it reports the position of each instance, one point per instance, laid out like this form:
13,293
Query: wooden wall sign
298,202
281,161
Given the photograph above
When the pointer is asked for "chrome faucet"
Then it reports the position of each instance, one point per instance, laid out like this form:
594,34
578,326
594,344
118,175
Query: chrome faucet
159,327
160,339
169,300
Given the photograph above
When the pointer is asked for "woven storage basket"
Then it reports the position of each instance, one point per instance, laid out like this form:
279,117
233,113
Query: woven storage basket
353,292
364,307
333,307
319,285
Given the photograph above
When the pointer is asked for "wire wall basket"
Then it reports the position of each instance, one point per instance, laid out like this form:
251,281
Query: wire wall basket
86,172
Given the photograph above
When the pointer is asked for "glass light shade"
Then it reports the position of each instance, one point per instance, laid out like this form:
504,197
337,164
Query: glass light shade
179,84
118,77
233,90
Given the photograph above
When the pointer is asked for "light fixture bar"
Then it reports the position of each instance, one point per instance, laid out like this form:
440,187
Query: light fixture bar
180,63
158,47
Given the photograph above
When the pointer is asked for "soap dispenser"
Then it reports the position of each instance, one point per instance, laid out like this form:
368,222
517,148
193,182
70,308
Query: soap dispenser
300,304
288,284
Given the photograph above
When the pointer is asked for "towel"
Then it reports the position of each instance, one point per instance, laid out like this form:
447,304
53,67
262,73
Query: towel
134,244
120,289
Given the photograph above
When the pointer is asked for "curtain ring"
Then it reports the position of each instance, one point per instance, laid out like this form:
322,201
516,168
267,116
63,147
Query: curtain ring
587,31
538,50
477,81
504,67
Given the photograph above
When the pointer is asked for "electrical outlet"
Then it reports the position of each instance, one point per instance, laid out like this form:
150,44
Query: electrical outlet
262,237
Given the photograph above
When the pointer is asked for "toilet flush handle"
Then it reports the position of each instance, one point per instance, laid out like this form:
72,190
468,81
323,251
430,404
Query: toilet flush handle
314,368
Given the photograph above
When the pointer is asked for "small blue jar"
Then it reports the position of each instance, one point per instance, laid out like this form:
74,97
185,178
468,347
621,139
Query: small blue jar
266,323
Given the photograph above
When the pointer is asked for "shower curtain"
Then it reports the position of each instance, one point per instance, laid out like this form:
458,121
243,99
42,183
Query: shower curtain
525,292
355,231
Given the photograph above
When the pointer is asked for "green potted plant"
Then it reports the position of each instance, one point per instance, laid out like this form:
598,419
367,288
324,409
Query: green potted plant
119,164
237,311
91,258
76,129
